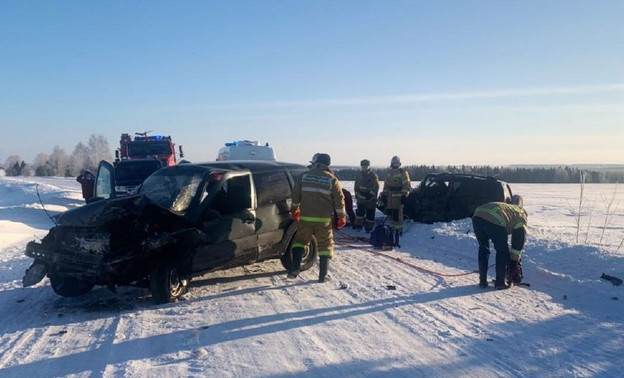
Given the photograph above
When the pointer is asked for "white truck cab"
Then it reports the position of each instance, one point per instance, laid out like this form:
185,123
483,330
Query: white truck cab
246,150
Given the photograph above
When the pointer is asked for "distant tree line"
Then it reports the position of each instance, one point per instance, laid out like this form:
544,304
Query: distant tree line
59,163
561,174
87,157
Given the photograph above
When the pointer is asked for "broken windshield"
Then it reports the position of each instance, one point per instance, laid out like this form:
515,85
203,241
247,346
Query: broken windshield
172,189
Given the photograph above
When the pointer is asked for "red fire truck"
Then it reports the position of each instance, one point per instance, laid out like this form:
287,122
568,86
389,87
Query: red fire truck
148,147
135,160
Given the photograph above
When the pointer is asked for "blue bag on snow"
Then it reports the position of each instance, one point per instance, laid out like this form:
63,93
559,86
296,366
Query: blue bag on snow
382,236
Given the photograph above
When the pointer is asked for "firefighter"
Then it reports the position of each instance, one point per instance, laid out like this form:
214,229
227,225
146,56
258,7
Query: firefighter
87,181
495,221
316,195
395,190
366,189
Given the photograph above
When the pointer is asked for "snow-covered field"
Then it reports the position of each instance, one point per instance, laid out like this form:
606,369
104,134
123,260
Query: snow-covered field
379,316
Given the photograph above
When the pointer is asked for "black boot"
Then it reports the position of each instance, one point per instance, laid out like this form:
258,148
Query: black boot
323,268
501,273
483,267
297,254
397,235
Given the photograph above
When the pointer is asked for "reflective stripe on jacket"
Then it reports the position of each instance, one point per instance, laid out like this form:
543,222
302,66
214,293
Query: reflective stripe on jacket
508,216
396,186
366,188
318,194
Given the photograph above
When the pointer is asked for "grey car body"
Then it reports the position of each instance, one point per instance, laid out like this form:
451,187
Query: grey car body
443,197
185,220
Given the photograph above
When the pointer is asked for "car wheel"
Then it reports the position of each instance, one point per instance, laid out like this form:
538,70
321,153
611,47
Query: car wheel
69,286
308,259
166,284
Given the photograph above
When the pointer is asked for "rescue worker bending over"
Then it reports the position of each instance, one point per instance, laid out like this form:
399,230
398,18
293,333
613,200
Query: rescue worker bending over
395,190
366,189
316,195
494,221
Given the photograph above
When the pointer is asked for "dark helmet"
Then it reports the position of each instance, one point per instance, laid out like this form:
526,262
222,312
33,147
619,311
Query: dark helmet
320,158
365,163
517,200
395,162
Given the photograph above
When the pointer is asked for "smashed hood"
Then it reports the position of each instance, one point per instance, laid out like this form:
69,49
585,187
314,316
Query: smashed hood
101,212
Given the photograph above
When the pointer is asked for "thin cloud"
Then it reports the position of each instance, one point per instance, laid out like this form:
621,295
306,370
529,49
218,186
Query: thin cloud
410,99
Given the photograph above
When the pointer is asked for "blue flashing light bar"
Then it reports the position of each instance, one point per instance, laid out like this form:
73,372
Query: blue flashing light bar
149,138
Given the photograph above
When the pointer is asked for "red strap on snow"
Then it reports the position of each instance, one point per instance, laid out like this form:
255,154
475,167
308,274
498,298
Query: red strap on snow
398,259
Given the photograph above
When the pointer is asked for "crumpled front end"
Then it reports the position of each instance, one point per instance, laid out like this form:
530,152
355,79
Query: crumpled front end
77,252
93,243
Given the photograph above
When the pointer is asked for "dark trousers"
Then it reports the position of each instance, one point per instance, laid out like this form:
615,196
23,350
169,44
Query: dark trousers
486,231
364,214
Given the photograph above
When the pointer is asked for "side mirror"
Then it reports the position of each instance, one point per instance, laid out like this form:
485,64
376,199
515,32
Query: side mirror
181,152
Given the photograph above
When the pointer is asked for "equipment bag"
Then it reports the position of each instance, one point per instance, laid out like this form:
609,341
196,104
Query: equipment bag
382,236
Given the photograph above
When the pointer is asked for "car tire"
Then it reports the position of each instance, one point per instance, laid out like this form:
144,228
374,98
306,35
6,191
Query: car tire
166,284
308,259
69,286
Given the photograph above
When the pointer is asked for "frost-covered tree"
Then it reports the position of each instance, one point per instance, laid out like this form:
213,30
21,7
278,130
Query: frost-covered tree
41,165
25,169
98,150
13,165
79,159
59,161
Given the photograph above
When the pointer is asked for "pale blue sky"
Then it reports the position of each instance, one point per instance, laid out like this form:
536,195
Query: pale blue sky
435,82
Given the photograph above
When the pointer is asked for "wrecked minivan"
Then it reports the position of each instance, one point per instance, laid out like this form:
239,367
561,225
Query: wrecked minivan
185,221
443,197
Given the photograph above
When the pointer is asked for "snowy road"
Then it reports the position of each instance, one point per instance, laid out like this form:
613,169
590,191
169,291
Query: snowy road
378,317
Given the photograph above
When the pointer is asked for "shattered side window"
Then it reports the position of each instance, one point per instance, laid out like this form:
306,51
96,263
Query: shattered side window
172,189
272,187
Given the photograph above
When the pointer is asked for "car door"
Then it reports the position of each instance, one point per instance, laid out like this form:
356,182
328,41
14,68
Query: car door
104,186
229,225
274,194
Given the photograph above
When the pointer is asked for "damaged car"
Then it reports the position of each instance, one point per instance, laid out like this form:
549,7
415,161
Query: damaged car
443,197
184,221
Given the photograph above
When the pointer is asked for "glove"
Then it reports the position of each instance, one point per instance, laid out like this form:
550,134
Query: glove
514,272
296,214
381,201
342,221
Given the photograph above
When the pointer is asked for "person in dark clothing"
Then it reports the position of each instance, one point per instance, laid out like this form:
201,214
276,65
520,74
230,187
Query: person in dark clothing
495,221
348,208
366,189
86,180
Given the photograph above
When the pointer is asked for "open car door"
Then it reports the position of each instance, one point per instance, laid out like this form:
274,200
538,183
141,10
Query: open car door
230,224
104,187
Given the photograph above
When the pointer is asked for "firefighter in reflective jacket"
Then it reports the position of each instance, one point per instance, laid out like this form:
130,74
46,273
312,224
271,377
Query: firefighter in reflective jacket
315,197
395,190
495,221
366,189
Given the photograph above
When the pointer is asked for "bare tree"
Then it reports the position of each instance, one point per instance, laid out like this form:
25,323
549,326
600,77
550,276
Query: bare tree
13,165
41,166
98,150
79,159
581,205
59,162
